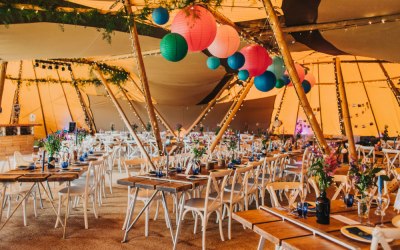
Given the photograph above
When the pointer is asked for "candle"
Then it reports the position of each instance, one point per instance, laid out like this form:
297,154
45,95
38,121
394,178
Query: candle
43,157
380,184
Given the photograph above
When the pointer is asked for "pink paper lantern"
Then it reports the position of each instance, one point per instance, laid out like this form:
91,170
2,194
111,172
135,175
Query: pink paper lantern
300,71
197,25
310,78
226,42
257,59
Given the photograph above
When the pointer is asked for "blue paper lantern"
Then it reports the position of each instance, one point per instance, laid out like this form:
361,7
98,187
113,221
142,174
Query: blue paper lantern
265,82
286,79
306,86
236,60
160,15
243,75
277,67
213,62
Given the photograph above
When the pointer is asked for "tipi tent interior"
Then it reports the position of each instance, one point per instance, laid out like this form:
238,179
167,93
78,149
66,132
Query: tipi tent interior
51,61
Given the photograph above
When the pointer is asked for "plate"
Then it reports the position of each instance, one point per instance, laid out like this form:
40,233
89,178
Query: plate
80,163
396,221
364,229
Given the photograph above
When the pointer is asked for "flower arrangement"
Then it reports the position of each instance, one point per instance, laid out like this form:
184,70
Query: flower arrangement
135,127
198,151
324,168
198,145
385,133
364,177
81,133
201,129
231,140
299,130
148,127
178,128
52,143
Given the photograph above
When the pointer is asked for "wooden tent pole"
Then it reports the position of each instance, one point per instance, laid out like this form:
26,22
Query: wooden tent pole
208,108
65,96
369,100
390,83
345,110
231,115
143,77
132,106
2,82
14,117
40,100
319,100
287,57
123,116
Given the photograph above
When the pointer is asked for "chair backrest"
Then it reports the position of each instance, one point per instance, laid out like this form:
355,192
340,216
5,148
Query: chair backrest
392,156
282,186
136,162
216,182
367,152
313,182
19,160
381,235
344,183
241,177
93,175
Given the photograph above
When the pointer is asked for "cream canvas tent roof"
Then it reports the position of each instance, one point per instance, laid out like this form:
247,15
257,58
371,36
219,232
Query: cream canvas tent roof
181,89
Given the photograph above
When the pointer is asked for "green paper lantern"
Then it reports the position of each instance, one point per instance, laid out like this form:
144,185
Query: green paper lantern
213,62
173,47
277,67
279,83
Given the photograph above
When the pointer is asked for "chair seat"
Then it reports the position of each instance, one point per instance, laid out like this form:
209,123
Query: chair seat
74,190
295,171
198,203
227,196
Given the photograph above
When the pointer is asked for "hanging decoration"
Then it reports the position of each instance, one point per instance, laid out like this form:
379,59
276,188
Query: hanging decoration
213,62
236,60
257,59
310,78
339,101
265,82
226,42
279,83
243,75
197,25
173,47
277,67
306,86
160,15
285,79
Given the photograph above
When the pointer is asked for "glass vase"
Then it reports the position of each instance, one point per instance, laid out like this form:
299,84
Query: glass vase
323,209
363,208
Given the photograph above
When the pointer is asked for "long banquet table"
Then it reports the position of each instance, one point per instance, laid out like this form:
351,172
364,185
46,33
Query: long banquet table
289,232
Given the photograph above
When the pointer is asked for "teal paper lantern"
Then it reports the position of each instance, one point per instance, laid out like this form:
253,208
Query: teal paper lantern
236,60
306,86
243,75
279,83
173,47
265,82
160,15
213,62
277,67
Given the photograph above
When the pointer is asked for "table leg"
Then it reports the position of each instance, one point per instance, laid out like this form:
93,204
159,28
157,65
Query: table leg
3,195
40,196
66,210
164,202
130,208
179,215
138,216
19,204
51,193
261,243
52,205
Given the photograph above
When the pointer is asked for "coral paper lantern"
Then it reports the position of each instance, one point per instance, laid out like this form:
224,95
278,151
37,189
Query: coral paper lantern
236,60
160,15
173,47
300,72
213,62
243,75
226,42
265,82
310,78
257,59
197,25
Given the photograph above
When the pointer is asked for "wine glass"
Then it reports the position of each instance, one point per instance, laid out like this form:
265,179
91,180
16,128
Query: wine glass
383,204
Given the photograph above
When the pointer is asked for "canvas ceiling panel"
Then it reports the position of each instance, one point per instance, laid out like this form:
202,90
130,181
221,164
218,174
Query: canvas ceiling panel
7,101
350,73
371,71
324,73
370,40
288,112
393,70
329,110
48,40
29,103
75,106
386,106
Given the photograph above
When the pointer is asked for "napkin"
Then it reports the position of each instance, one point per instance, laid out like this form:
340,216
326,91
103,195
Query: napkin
345,219
360,233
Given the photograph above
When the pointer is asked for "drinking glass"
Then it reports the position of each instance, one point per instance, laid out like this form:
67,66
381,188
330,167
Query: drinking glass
383,204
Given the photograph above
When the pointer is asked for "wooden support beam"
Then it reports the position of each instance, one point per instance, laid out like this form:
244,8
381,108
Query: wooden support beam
123,116
208,108
345,109
337,24
2,81
40,100
231,115
287,57
132,106
143,77
319,100
390,83
14,117
369,100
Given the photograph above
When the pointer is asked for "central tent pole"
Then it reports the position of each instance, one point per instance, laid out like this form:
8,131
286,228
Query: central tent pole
345,110
287,57
231,115
2,81
143,78
123,116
